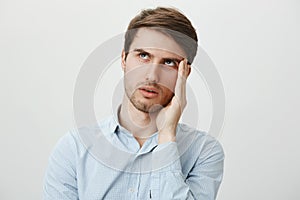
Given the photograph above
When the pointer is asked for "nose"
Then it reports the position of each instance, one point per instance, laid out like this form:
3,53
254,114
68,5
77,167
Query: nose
153,72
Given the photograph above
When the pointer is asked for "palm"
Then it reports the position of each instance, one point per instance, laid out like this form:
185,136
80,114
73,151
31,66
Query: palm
169,116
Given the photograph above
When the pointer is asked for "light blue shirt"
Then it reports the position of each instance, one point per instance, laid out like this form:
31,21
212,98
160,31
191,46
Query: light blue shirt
192,169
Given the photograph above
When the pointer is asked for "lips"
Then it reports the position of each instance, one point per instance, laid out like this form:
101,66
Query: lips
149,92
149,89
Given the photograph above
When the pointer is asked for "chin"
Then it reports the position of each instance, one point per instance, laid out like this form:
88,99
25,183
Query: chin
146,108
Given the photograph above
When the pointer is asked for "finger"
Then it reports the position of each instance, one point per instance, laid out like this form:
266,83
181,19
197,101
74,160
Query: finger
180,87
183,70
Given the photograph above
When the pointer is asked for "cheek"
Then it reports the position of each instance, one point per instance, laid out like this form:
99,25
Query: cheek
168,79
134,76
130,70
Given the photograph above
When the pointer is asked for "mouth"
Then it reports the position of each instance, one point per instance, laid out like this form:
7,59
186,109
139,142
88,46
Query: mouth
149,92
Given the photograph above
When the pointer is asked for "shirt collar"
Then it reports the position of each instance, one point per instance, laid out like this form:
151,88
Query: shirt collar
114,121
115,126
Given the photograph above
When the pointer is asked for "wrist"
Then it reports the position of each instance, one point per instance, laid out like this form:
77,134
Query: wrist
166,136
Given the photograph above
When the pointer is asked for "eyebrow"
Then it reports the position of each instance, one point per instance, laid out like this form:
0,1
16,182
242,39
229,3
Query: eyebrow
151,55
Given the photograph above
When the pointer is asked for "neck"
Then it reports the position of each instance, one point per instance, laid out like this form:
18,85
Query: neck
142,125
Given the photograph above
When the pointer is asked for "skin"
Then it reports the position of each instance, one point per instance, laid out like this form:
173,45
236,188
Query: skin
155,73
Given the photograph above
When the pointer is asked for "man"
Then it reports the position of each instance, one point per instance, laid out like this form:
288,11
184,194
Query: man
168,160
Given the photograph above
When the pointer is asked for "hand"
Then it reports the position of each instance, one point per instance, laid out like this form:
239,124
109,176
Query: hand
168,117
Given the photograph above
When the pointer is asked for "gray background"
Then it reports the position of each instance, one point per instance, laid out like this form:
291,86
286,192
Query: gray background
254,45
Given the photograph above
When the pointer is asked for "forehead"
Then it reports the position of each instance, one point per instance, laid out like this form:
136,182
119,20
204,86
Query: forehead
146,38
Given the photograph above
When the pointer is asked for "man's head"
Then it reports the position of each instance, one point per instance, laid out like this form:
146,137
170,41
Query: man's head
168,21
156,41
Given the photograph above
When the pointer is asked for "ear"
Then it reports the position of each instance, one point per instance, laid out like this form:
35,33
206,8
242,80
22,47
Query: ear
123,60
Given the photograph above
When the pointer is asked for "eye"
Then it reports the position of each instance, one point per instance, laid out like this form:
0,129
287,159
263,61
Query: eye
144,56
170,63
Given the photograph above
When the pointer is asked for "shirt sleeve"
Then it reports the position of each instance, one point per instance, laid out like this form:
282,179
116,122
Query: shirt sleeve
202,181
60,179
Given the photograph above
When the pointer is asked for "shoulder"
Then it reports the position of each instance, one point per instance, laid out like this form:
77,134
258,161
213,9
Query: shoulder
67,141
66,147
74,139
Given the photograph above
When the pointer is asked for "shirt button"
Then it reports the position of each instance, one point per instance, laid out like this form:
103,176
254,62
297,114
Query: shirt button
131,190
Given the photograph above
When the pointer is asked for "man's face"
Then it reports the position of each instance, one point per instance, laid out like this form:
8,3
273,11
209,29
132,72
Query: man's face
150,69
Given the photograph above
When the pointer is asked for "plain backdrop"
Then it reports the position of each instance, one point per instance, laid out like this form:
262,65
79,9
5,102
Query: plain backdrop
254,44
